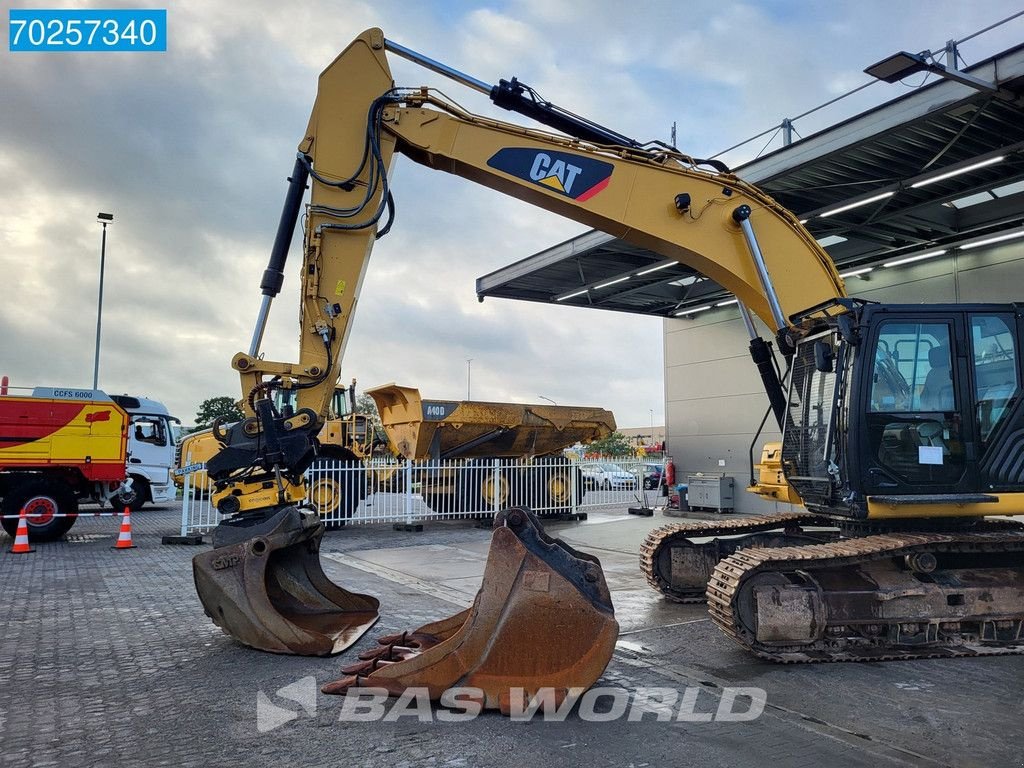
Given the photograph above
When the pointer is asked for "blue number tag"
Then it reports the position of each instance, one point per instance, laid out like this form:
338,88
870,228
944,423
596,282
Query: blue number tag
76,30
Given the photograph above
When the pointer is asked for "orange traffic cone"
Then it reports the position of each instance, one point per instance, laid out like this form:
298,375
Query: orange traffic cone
21,546
124,538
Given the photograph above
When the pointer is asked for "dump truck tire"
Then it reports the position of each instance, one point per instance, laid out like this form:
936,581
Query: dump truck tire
480,490
335,490
551,490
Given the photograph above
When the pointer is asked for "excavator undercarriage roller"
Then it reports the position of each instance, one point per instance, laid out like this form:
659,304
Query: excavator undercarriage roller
678,559
542,621
881,597
264,586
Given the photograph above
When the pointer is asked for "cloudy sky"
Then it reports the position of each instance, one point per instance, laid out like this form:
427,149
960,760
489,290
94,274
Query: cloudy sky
189,149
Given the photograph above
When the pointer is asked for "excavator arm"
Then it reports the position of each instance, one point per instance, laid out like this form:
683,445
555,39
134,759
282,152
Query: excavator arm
656,198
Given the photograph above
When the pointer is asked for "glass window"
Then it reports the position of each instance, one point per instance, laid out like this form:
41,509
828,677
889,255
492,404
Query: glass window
917,434
913,369
993,346
147,430
340,403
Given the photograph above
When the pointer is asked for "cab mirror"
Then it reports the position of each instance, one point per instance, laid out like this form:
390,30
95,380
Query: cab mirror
823,357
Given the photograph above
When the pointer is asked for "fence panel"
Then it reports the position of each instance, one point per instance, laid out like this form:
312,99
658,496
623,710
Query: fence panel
621,481
411,492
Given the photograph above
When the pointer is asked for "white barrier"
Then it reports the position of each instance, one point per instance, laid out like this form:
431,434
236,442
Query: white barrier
413,492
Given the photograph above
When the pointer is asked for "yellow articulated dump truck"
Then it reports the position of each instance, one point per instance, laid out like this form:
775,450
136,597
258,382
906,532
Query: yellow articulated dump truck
470,456
482,457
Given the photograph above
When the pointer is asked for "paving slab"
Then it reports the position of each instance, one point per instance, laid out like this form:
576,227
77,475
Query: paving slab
107,659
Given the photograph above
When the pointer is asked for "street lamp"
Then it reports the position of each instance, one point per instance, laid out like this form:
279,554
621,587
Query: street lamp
903,64
548,399
104,219
469,376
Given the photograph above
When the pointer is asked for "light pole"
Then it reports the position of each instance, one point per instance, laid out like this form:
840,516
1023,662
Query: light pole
652,427
548,399
469,377
104,219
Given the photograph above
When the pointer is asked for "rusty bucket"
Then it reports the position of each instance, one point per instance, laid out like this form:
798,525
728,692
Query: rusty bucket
542,623
263,585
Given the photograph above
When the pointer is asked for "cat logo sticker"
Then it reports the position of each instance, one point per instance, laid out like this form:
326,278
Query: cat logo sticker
576,176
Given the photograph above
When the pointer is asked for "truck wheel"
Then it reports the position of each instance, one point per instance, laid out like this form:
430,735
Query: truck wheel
335,489
479,490
141,488
42,498
558,485
549,485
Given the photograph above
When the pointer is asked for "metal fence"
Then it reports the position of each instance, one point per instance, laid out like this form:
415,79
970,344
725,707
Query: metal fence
381,491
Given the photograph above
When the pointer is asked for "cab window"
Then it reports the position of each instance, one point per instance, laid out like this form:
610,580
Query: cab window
339,403
913,421
994,359
913,369
149,430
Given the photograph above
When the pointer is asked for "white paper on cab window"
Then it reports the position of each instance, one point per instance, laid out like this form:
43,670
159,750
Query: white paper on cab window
929,454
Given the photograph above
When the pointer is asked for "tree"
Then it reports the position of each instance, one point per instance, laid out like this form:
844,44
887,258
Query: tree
616,444
213,407
367,406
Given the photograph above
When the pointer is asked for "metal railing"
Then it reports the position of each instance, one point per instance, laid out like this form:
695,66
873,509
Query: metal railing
381,491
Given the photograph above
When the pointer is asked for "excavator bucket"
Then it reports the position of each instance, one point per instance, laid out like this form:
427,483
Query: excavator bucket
263,585
542,623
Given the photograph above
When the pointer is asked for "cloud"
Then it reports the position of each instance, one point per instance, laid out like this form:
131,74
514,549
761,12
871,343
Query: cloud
190,150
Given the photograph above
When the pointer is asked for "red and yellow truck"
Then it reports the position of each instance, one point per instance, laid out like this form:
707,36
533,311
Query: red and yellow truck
60,446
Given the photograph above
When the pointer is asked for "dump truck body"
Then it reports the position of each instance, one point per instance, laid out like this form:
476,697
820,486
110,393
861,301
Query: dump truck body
485,456
446,429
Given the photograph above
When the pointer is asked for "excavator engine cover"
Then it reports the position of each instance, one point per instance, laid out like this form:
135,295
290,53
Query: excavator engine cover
542,623
263,585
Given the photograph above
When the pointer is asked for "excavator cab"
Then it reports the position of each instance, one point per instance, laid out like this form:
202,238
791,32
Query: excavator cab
897,407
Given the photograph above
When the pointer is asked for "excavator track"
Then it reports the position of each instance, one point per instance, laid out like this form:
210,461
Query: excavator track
797,582
654,565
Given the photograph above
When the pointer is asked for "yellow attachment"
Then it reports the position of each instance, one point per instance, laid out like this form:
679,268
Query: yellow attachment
771,482
261,494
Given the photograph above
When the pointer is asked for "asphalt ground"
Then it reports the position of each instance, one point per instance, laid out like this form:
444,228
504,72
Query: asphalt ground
106,658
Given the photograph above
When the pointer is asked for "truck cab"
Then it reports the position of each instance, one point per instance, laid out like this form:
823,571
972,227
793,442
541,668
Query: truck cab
151,443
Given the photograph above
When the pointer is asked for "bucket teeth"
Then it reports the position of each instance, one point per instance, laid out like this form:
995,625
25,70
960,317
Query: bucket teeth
542,619
264,586
341,686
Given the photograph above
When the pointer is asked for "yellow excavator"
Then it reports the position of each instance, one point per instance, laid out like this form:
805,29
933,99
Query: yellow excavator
903,425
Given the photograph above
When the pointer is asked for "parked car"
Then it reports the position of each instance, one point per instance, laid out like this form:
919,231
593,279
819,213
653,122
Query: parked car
653,474
607,476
